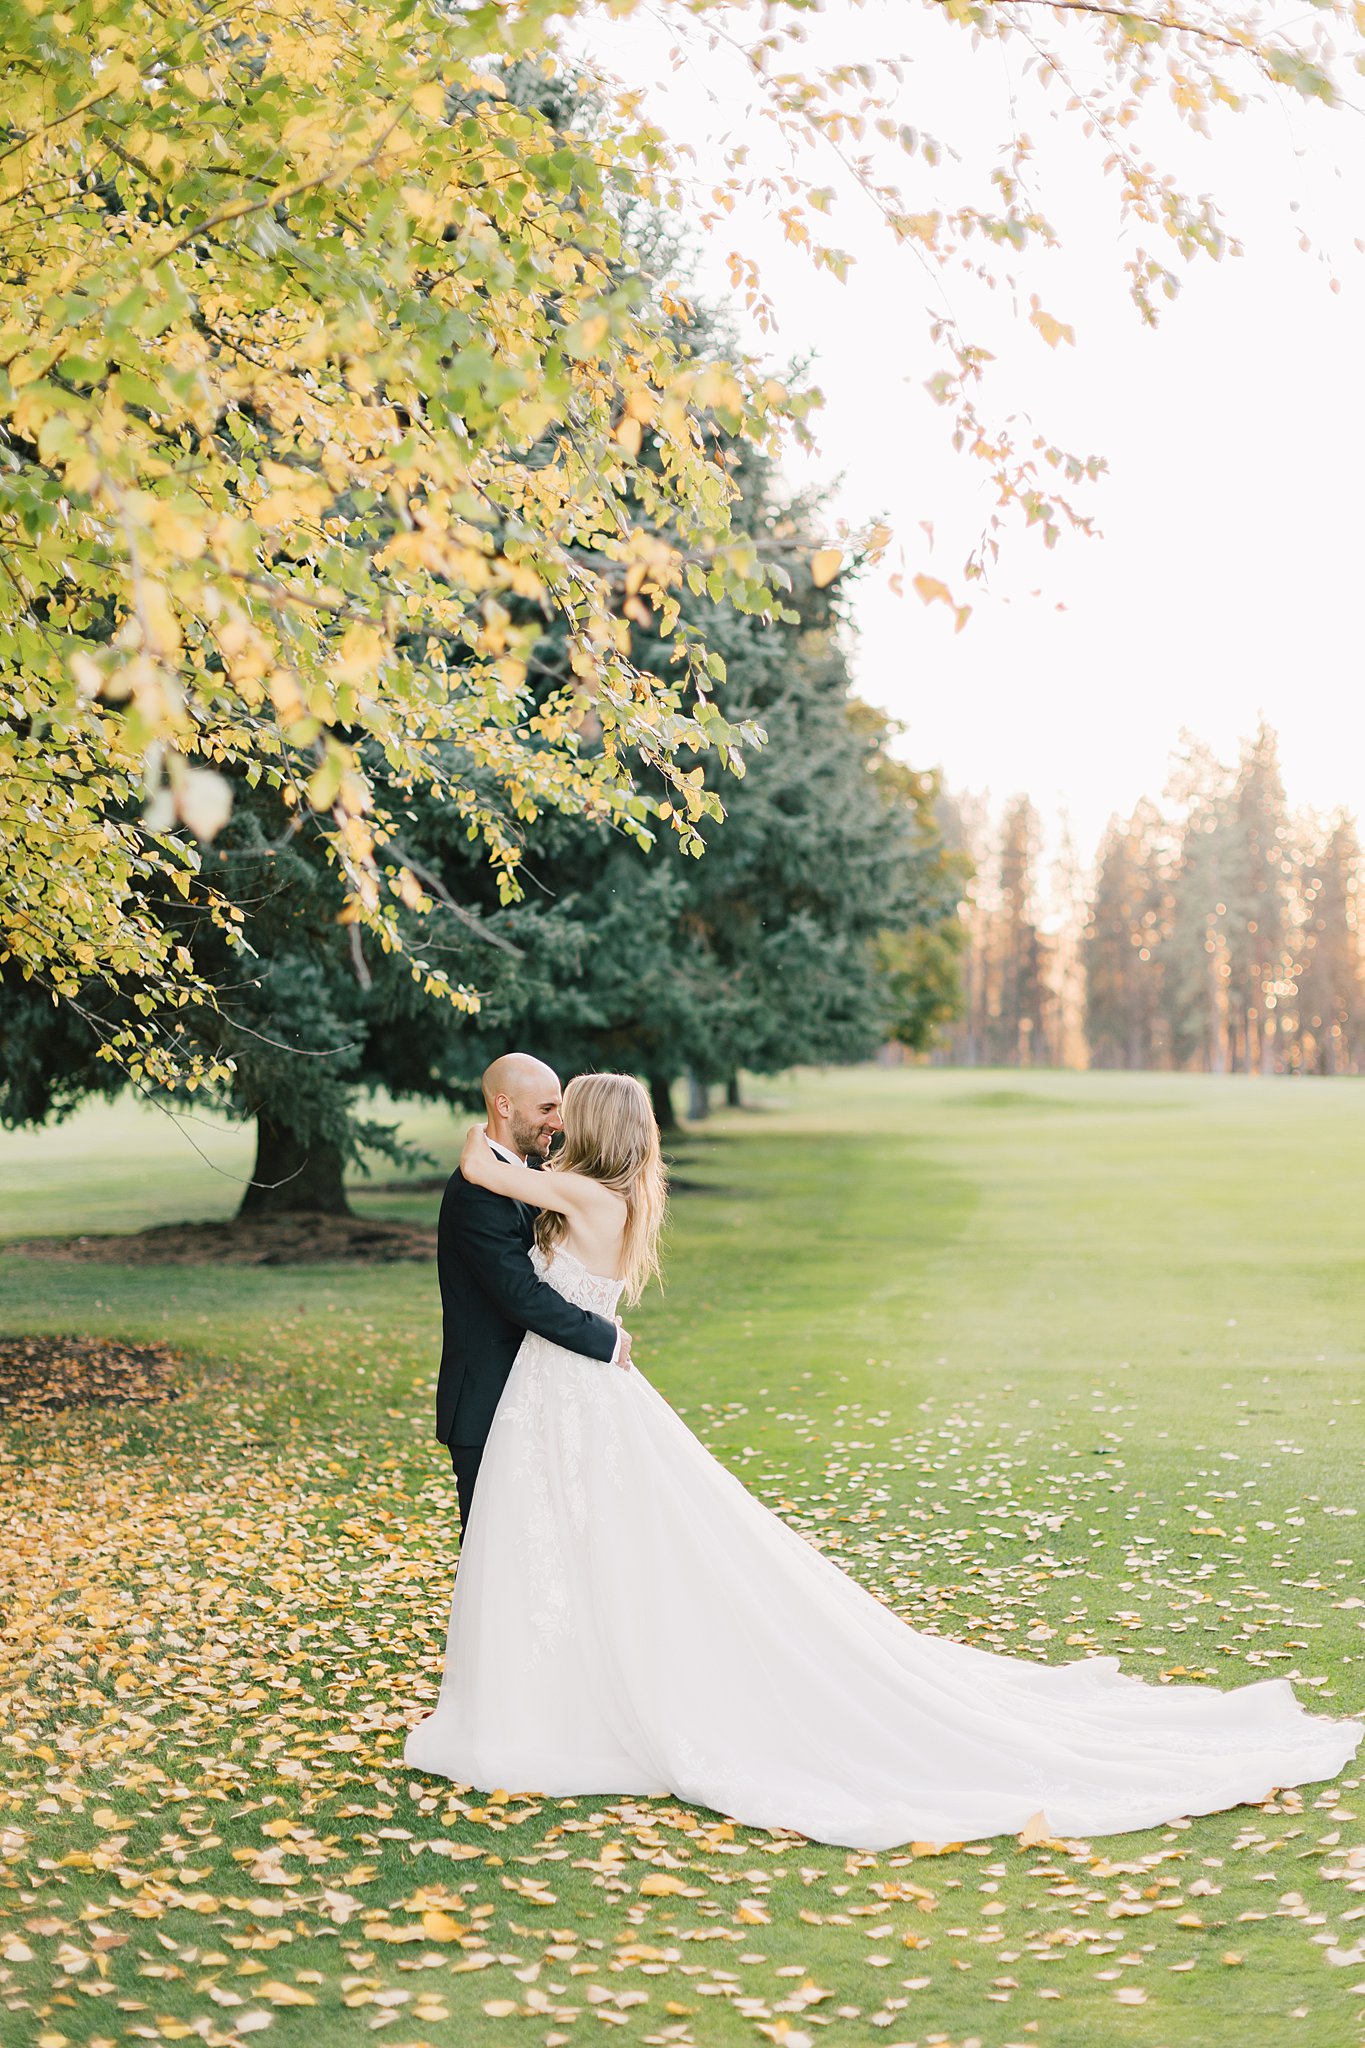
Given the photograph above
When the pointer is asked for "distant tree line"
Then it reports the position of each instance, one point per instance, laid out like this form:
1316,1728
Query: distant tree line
1221,933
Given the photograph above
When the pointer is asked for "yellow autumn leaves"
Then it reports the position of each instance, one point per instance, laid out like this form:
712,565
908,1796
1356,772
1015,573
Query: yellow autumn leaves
319,338
307,410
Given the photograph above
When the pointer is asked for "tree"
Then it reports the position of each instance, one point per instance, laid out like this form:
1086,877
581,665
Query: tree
921,973
1332,976
762,954
1016,949
325,377
1257,886
1064,1007
963,824
1007,1002
793,939
1124,965
1195,983
292,1030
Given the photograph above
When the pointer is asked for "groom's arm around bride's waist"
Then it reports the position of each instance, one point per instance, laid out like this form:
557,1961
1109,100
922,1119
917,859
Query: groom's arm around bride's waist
481,1232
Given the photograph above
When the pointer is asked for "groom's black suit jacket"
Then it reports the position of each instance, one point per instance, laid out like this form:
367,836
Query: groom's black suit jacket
490,1297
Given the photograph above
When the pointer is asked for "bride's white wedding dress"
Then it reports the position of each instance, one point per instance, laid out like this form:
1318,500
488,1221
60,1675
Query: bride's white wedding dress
629,1619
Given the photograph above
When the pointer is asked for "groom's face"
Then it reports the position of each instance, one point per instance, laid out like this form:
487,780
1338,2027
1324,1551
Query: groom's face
536,1117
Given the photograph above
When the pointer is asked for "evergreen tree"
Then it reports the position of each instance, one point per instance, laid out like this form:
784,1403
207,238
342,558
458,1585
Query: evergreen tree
964,826
1258,895
1332,974
307,1012
768,951
1064,1007
1017,951
1194,984
792,940
1124,963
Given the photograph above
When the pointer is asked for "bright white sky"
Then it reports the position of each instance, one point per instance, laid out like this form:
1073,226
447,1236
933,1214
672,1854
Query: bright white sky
1229,579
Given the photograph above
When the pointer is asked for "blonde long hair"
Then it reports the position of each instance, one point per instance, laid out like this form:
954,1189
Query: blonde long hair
610,1135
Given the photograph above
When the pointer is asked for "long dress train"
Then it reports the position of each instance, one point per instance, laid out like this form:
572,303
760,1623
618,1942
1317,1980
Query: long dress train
628,1619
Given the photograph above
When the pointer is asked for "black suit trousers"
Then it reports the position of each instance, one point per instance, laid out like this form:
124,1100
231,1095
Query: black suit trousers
466,1459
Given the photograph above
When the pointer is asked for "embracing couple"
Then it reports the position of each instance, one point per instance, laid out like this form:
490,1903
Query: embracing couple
628,1619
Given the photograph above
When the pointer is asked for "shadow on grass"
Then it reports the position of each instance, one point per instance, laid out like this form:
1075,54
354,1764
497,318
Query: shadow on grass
1021,1098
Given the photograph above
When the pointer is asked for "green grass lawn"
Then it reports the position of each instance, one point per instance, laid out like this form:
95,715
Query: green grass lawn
1055,1363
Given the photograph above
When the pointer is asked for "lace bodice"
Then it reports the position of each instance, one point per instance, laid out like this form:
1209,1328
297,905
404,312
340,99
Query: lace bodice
571,1278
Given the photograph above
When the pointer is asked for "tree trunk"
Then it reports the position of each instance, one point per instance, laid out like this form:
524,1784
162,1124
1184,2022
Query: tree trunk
698,1099
1269,1045
733,1098
1217,1056
661,1095
291,1178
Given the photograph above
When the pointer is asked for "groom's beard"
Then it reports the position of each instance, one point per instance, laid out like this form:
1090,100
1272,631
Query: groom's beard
533,1141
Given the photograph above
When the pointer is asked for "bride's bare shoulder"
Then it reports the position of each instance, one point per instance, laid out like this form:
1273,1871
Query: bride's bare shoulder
604,1205
580,1192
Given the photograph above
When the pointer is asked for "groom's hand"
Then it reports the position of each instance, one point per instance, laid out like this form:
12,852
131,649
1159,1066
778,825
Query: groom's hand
622,1357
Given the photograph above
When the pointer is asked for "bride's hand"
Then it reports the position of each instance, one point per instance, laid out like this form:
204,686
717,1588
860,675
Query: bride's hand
476,1157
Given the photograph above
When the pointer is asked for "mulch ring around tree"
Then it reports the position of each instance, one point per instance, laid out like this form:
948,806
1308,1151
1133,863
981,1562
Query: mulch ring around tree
248,1241
39,1374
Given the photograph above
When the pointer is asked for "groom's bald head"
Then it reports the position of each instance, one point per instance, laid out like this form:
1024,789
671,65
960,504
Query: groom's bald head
522,1097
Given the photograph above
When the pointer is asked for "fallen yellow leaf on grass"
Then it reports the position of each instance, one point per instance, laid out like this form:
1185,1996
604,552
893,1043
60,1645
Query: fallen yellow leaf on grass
286,1994
899,1890
438,1926
499,2008
660,1885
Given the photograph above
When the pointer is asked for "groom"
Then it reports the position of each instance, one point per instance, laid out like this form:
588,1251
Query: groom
491,1294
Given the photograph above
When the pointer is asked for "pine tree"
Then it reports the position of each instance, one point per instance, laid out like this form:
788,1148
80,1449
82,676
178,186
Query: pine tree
1065,1008
768,951
1195,981
963,826
1124,952
1332,975
821,920
1258,893
1017,951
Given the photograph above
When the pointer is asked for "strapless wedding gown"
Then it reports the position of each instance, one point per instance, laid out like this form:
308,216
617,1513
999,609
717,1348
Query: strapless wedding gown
629,1619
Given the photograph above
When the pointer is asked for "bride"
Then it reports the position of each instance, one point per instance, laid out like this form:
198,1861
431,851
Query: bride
628,1619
